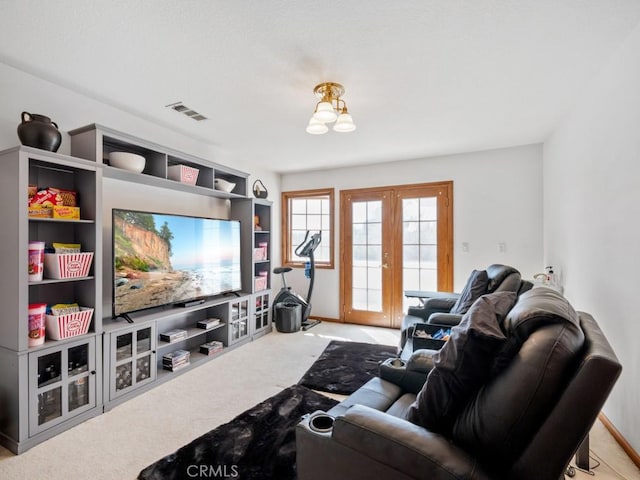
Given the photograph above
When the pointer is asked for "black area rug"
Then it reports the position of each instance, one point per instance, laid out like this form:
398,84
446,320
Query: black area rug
343,367
258,444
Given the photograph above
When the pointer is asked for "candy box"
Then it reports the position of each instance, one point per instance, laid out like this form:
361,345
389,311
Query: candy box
71,213
69,197
39,211
46,198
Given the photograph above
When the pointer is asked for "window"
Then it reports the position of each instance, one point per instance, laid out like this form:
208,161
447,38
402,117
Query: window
307,211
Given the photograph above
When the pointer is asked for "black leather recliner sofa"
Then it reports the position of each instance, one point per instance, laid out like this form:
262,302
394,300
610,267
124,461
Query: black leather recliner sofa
447,308
524,422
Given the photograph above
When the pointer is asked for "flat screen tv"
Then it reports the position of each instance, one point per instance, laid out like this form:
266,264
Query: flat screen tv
163,259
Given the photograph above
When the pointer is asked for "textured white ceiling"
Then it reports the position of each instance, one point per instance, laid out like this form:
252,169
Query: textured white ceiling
422,77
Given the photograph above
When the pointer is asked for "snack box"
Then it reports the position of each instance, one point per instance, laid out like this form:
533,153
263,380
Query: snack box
39,211
46,198
69,213
69,197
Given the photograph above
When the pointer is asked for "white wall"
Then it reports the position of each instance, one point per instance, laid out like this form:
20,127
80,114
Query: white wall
20,91
591,214
497,198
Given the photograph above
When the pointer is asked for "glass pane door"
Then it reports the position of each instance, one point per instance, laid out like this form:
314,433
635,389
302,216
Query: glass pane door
367,256
394,239
419,245
367,280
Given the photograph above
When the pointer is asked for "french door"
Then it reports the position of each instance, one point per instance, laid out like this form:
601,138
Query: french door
393,239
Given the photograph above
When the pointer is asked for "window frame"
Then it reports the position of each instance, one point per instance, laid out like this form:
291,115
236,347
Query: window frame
285,233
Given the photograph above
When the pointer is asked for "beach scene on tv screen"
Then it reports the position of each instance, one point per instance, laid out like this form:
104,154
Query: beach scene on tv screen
166,259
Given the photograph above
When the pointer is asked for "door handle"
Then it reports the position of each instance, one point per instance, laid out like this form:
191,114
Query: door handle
385,265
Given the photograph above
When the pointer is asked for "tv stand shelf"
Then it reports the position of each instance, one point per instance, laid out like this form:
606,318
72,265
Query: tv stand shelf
232,331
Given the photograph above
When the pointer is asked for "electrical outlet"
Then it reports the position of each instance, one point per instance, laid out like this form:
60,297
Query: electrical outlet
502,247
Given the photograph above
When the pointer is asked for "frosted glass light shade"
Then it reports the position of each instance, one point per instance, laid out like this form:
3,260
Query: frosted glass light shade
344,124
316,127
325,112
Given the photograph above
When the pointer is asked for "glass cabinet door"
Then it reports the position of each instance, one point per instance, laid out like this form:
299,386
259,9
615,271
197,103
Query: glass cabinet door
143,352
78,374
262,311
64,384
124,355
49,374
239,325
132,362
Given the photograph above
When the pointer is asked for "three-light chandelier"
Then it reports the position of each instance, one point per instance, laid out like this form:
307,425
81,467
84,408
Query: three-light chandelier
331,108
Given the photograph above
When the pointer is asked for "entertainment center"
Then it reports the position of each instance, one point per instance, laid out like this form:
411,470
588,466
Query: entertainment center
48,388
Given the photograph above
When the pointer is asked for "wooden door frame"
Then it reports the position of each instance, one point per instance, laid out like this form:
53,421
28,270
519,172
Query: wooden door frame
344,232
444,189
444,192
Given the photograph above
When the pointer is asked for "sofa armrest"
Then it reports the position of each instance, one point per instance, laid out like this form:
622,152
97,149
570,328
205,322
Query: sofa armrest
433,305
448,319
421,361
411,375
422,295
403,446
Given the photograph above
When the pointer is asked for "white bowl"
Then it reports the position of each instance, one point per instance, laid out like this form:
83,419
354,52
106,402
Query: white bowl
223,185
127,161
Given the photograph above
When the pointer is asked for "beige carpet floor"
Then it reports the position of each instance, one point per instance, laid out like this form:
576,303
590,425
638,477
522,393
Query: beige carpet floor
121,442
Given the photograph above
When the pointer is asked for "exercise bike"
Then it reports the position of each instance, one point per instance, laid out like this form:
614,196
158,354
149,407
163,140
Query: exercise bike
287,294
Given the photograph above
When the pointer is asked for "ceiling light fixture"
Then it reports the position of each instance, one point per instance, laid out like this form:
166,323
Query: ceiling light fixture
331,108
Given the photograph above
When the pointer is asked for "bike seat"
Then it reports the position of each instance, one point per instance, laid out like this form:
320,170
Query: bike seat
282,270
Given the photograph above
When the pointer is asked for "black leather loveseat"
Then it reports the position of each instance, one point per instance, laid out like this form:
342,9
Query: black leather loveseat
534,399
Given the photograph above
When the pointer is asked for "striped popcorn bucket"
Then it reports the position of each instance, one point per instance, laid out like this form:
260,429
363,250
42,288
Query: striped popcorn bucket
67,265
70,325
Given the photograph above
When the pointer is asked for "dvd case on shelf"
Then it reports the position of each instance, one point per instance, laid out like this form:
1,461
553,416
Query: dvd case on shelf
173,335
176,359
211,348
208,323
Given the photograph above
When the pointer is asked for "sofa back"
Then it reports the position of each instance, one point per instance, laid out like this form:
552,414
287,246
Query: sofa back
544,346
503,278
575,412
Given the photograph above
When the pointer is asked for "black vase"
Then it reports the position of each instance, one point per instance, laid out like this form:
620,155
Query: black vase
39,131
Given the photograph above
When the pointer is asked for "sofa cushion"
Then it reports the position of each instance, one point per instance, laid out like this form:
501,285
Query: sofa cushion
463,364
544,341
476,287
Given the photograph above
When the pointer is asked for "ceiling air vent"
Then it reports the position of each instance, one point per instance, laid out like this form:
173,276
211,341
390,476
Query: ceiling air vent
183,109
